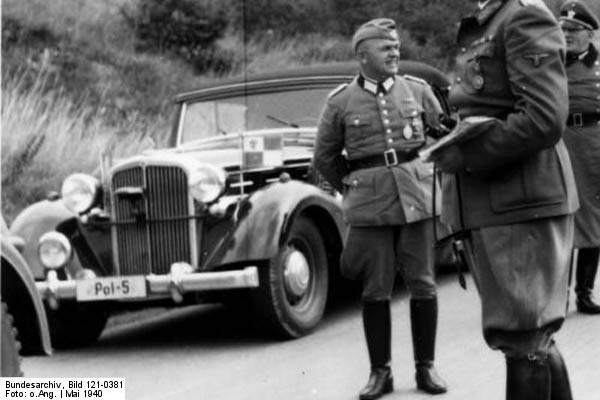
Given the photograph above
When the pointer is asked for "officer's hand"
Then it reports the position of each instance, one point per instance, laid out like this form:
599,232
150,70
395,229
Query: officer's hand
449,159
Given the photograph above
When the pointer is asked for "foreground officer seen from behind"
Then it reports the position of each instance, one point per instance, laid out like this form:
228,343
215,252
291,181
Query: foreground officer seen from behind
378,120
510,186
582,138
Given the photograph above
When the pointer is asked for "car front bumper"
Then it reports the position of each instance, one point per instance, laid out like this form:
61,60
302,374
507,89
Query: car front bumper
156,286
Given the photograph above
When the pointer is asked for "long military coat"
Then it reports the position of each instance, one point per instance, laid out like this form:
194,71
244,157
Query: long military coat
517,170
510,66
360,121
583,143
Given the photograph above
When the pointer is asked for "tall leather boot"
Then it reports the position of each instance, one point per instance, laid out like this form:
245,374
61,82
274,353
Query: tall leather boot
377,326
527,378
560,386
587,267
423,318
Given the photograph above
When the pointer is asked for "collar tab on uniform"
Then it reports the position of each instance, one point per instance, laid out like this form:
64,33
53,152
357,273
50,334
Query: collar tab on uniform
588,57
374,87
488,10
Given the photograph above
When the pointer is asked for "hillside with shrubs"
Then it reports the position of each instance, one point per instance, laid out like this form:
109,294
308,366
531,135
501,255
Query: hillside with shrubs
83,77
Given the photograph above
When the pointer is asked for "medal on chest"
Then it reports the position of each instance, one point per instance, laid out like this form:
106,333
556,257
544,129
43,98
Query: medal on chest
414,126
407,132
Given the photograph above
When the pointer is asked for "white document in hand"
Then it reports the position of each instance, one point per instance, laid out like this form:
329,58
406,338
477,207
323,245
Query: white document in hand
462,130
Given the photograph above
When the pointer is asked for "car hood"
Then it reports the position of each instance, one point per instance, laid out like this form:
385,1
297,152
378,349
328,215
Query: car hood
231,150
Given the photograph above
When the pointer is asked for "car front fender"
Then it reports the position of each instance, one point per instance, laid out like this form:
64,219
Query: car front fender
32,223
264,219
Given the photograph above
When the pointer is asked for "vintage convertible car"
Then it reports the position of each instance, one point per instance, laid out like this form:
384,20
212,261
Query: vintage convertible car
231,210
24,327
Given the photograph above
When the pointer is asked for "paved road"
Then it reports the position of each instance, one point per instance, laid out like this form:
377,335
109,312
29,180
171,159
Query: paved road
210,353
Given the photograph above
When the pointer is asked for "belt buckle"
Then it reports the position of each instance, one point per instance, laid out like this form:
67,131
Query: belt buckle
577,119
391,158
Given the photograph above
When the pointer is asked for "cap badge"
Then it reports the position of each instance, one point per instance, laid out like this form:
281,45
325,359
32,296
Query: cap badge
478,82
571,14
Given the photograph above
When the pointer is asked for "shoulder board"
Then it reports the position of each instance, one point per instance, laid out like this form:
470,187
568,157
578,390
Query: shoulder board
534,3
337,90
415,79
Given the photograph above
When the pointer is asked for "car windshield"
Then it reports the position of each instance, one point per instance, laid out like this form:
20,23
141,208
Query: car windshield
294,108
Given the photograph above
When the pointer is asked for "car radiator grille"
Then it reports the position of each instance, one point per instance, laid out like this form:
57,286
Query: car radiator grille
161,236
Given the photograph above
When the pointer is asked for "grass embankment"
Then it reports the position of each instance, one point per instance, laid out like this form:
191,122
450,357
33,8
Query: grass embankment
46,137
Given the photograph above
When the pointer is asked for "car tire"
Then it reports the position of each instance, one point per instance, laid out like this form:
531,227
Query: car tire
10,359
73,325
291,299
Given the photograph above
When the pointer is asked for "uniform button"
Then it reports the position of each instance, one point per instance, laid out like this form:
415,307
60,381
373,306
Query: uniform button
385,112
383,102
380,94
390,140
597,73
388,131
464,50
458,80
386,121
412,208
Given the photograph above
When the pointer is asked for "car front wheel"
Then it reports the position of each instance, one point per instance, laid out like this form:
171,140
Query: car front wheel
293,287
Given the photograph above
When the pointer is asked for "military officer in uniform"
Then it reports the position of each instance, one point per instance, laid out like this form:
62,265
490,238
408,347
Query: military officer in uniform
510,186
582,138
378,120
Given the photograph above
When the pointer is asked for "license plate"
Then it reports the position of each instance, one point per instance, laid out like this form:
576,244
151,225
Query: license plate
111,288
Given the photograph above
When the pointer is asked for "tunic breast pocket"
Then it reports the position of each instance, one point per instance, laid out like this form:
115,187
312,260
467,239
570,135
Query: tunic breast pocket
358,125
478,67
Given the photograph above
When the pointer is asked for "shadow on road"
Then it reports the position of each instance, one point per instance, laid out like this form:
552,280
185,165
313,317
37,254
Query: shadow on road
211,326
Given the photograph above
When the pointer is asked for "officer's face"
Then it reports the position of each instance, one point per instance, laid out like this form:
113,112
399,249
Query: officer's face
577,38
379,58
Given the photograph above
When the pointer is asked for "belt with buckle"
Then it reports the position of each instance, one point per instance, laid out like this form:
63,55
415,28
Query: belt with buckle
583,119
388,158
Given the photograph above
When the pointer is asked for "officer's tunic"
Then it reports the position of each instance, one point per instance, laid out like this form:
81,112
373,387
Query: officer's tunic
362,119
583,143
517,189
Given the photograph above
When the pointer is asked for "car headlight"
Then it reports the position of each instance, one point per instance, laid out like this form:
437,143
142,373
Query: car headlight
54,250
79,192
206,183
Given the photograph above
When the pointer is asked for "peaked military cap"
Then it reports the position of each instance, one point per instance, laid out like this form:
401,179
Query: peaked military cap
379,28
578,12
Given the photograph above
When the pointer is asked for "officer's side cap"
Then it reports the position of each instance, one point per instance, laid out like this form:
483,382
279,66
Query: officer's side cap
579,13
379,28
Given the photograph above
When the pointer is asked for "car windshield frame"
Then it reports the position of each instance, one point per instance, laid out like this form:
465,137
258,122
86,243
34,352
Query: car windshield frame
243,95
